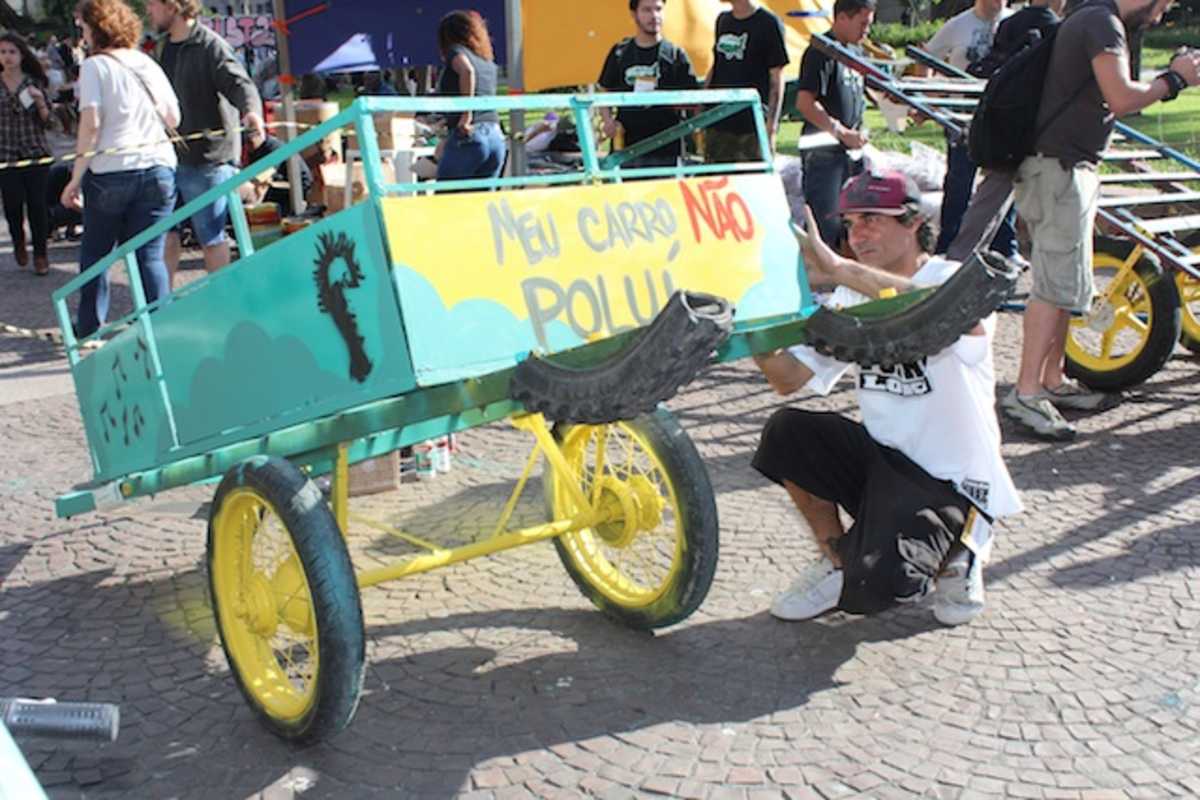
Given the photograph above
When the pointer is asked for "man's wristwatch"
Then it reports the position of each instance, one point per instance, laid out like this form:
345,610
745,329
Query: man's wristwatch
1175,84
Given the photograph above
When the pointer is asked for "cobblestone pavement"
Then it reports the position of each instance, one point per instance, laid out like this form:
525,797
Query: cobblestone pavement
496,679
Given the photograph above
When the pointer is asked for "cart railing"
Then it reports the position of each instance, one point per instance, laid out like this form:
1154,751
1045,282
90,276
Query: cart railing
359,114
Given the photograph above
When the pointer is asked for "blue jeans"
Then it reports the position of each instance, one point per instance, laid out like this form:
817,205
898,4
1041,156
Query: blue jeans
191,181
825,170
956,195
480,155
116,207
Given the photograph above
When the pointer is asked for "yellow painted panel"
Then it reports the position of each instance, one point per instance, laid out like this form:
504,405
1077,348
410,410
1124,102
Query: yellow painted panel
565,43
485,277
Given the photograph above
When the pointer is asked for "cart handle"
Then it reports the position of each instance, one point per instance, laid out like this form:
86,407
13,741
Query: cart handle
52,719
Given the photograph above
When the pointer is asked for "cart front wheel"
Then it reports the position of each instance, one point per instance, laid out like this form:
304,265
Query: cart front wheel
1133,325
651,562
285,600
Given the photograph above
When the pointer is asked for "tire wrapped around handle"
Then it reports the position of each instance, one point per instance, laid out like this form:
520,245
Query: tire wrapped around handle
979,287
50,719
661,359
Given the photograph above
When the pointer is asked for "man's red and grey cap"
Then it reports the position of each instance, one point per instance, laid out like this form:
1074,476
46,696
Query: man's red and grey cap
879,192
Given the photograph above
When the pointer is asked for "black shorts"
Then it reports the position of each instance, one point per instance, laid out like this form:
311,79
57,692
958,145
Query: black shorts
905,520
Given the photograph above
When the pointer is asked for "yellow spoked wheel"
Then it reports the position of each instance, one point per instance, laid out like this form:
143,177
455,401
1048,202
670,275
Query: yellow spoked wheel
1134,322
285,599
1189,303
651,561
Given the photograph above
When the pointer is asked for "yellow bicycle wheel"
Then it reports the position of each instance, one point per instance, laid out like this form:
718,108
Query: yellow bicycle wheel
1189,300
1134,322
651,562
1189,305
285,600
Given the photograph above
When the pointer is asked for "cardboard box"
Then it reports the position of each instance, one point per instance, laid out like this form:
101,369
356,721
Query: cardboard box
375,475
314,112
334,177
393,130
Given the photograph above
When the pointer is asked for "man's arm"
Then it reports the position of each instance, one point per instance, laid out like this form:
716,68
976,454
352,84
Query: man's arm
235,85
938,47
774,103
610,78
783,371
808,105
825,266
1126,96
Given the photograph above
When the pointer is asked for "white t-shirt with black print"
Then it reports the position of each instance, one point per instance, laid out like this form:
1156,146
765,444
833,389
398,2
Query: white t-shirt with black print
965,38
940,411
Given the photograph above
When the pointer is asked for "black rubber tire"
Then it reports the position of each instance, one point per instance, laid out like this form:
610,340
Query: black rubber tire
337,608
1189,335
685,471
923,329
1165,324
662,358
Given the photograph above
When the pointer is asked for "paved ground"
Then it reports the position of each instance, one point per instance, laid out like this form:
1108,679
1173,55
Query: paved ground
495,679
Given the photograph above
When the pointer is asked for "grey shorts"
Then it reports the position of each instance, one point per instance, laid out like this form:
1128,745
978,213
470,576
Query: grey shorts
1058,205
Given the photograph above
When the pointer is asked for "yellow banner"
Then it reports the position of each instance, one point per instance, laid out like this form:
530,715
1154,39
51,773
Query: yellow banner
598,260
566,43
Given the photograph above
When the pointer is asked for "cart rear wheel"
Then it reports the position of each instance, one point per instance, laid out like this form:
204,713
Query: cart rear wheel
285,600
1189,301
652,562
1134,323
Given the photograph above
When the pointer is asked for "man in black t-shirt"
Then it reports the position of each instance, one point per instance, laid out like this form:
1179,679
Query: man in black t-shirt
831,99
749,51
642,63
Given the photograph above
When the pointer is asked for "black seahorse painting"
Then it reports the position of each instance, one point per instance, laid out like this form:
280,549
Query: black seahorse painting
331,292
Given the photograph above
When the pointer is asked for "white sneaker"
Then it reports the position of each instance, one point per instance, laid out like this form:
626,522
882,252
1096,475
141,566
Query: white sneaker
815,591
960,596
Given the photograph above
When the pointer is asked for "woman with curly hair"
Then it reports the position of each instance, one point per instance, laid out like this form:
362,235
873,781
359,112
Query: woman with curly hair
24,115
475,147
125,101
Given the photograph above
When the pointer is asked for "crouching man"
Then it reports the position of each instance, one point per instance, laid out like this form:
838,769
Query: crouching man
922,477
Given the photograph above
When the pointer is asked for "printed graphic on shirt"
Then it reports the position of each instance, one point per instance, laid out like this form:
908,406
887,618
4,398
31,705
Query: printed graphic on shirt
852,81
902,380
976,490
733,47
642,75
981,43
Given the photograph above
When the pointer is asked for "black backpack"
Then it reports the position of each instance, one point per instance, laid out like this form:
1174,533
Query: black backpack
1013,34
1004,127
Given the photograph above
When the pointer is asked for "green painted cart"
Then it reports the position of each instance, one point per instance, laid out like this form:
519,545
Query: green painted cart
419,312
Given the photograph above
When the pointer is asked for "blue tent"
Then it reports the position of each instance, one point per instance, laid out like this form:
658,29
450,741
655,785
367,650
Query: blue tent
359,35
